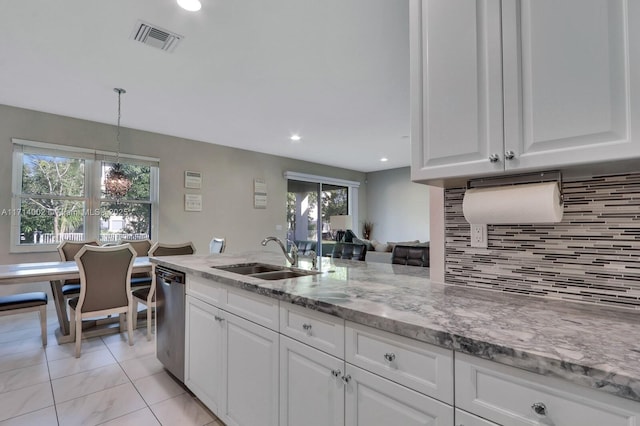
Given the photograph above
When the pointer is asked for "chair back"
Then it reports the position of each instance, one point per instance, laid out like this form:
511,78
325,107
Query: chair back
349,251
410,255
163,249
105,277
217,245
68,249
141,247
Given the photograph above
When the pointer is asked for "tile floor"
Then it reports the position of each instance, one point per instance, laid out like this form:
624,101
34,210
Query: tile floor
111,383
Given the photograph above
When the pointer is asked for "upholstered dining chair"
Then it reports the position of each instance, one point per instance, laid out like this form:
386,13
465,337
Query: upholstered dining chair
217,245
141,247
146,295
67,251
105,288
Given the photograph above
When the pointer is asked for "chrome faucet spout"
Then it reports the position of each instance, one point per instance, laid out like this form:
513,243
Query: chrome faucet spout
293,258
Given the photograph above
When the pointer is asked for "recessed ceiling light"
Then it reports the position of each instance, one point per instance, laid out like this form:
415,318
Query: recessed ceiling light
190,5
295,137
383,159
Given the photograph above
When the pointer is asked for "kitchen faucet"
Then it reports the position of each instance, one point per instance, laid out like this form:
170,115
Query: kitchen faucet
293,258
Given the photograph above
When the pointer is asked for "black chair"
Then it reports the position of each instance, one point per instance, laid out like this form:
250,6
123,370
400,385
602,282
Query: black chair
304,247
349,251
410,255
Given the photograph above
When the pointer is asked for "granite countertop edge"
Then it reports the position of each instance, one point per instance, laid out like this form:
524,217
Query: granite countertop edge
604,379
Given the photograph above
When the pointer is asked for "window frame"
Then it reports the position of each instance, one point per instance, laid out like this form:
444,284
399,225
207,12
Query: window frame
92,188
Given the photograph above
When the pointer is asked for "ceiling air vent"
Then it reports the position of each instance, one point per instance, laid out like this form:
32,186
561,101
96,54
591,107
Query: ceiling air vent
154,36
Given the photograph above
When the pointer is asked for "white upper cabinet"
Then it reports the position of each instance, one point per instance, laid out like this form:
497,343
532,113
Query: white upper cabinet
520,85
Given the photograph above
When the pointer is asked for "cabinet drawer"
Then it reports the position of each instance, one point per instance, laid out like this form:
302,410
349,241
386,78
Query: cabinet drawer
465,419
508,396
206,290
260,309
420,366
322,331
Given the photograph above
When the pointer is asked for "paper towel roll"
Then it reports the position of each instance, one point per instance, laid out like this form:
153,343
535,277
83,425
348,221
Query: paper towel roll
515,204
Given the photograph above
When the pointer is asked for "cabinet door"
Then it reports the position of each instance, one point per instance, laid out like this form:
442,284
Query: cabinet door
371,400
566,82
203,352
456,88
251,374
311,388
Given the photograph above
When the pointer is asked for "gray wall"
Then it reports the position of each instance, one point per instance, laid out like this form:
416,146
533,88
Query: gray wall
398,208
592,256
227,187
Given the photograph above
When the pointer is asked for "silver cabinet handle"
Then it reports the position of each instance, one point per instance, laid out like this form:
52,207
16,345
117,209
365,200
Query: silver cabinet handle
509,155
336,373
494,158
390,357
346,379
539,408
306,327
219,319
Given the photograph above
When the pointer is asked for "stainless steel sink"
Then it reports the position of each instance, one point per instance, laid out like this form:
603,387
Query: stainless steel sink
265,271
249,268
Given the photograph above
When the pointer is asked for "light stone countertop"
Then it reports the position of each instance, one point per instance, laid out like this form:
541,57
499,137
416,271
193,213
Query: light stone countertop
588,345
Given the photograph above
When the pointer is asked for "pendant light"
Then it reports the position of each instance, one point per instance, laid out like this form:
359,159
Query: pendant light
116,183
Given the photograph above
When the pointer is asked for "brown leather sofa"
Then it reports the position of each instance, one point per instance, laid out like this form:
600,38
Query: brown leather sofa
410,255
349,251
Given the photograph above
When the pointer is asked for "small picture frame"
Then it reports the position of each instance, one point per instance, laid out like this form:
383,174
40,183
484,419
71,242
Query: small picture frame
192,180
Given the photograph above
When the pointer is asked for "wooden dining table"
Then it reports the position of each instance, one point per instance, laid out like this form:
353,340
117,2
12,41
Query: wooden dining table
56,273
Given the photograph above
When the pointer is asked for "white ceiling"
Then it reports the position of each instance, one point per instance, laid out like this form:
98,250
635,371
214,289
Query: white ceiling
247,74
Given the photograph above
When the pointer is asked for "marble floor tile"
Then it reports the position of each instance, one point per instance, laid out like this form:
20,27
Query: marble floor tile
77,385
87,361
182,410
158,387
23,377
142,417
22,359
119,346
67,350
137,368
25,400
44,417
100,407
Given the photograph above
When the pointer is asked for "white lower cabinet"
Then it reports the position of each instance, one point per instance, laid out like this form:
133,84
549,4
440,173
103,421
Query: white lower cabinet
311,387
371,400
250,374
513,397
203,352
466,419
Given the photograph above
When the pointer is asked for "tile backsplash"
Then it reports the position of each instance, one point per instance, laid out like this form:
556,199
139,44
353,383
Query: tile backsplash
592,256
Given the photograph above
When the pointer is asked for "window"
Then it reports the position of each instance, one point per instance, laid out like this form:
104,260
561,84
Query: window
58,194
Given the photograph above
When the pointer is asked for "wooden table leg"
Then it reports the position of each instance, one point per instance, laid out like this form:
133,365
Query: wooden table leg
58,298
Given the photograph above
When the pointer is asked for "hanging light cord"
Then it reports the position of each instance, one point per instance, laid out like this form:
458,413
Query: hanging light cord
119,92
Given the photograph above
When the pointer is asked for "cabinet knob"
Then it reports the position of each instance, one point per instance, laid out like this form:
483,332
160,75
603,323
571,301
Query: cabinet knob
539,408
346,379
336,373
494,157
509,155
390,357
306,327
219,319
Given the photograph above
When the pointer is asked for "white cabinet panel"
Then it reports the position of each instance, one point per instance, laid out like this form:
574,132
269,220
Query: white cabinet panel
203,352
466,419
373,401
417,365
251,371
456,87
311,388
511,397
206,290
322,331
260,309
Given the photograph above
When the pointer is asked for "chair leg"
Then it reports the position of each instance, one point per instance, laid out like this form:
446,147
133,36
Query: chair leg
43,324
121,318
76,330
135,311
130,324
149,320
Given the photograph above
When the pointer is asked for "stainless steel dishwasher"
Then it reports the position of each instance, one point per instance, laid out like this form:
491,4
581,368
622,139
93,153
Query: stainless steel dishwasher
170,311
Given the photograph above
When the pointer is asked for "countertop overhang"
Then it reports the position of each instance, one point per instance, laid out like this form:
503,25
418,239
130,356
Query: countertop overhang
589,345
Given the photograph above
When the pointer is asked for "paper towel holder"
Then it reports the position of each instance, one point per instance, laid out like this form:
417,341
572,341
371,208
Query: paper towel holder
536,177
